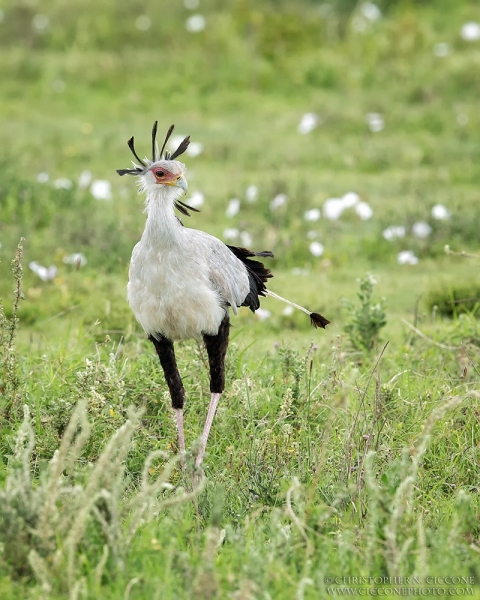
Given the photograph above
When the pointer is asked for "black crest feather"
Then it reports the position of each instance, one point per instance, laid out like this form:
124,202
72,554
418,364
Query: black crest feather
184,208
154,139
122,172
181,149
131,145
165,154
167,137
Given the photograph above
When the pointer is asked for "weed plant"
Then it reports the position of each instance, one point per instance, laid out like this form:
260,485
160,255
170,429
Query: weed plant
365,321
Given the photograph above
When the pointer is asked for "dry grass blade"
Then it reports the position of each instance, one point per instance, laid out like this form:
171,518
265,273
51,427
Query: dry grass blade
428,339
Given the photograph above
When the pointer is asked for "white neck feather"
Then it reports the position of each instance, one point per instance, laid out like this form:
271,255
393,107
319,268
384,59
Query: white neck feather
162,226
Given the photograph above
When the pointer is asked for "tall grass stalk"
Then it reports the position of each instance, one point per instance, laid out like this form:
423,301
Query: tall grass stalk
10,384
53,522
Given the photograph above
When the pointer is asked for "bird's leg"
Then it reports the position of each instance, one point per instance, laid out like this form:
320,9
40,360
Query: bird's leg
208,424
216,346
181,436
166,354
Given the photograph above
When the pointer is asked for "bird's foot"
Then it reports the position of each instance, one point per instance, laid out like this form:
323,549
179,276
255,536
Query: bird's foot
197,477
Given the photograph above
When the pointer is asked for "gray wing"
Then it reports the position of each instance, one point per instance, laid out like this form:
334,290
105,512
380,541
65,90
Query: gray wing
235,276
227,274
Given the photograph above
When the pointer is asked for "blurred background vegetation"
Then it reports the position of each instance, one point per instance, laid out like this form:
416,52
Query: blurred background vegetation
79,78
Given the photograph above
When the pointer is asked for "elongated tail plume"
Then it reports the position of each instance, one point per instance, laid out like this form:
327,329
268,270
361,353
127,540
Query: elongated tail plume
316,319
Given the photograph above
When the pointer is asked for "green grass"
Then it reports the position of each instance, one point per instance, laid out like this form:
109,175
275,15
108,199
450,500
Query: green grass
325,460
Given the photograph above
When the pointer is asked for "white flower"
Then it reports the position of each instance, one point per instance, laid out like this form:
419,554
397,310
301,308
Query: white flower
316,248
462,119
62,184
40,22
230,233
263,314
246,238
287,311
364,211
350,199
101,189
45,273
394,232
407,257
421,230
194,149
333,208
251,193
470,31
359,23
440,212
233,207
195,23
311,235
84,179
308,123
375,122
312,215
58,86
77,259
278,201
299,271
191,4
441,49
175,141
196,200
370,11
43,177
143,23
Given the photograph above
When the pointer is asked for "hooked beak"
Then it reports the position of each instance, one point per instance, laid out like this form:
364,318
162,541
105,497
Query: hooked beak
181,183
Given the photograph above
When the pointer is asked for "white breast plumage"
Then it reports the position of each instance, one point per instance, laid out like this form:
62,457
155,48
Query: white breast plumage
171,294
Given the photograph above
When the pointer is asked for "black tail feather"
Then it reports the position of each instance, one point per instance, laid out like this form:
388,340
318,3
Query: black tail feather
317,320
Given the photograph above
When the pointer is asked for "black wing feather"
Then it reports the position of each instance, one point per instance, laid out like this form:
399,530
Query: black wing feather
258,274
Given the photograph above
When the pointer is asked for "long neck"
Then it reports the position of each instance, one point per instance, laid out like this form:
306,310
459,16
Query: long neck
162,227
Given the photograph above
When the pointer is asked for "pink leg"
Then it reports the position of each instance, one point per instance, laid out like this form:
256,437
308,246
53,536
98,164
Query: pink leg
181,436
208,424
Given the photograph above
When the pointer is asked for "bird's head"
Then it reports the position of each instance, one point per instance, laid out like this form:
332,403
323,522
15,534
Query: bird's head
163,170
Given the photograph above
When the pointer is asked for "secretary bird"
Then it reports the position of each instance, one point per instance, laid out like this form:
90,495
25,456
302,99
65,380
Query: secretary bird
182,281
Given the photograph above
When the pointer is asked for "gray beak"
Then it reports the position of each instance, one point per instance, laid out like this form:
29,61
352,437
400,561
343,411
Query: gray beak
182,184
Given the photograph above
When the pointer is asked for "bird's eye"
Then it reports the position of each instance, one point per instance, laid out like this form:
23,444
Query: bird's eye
159,173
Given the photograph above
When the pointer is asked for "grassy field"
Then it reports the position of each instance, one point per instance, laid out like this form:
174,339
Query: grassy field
349,453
